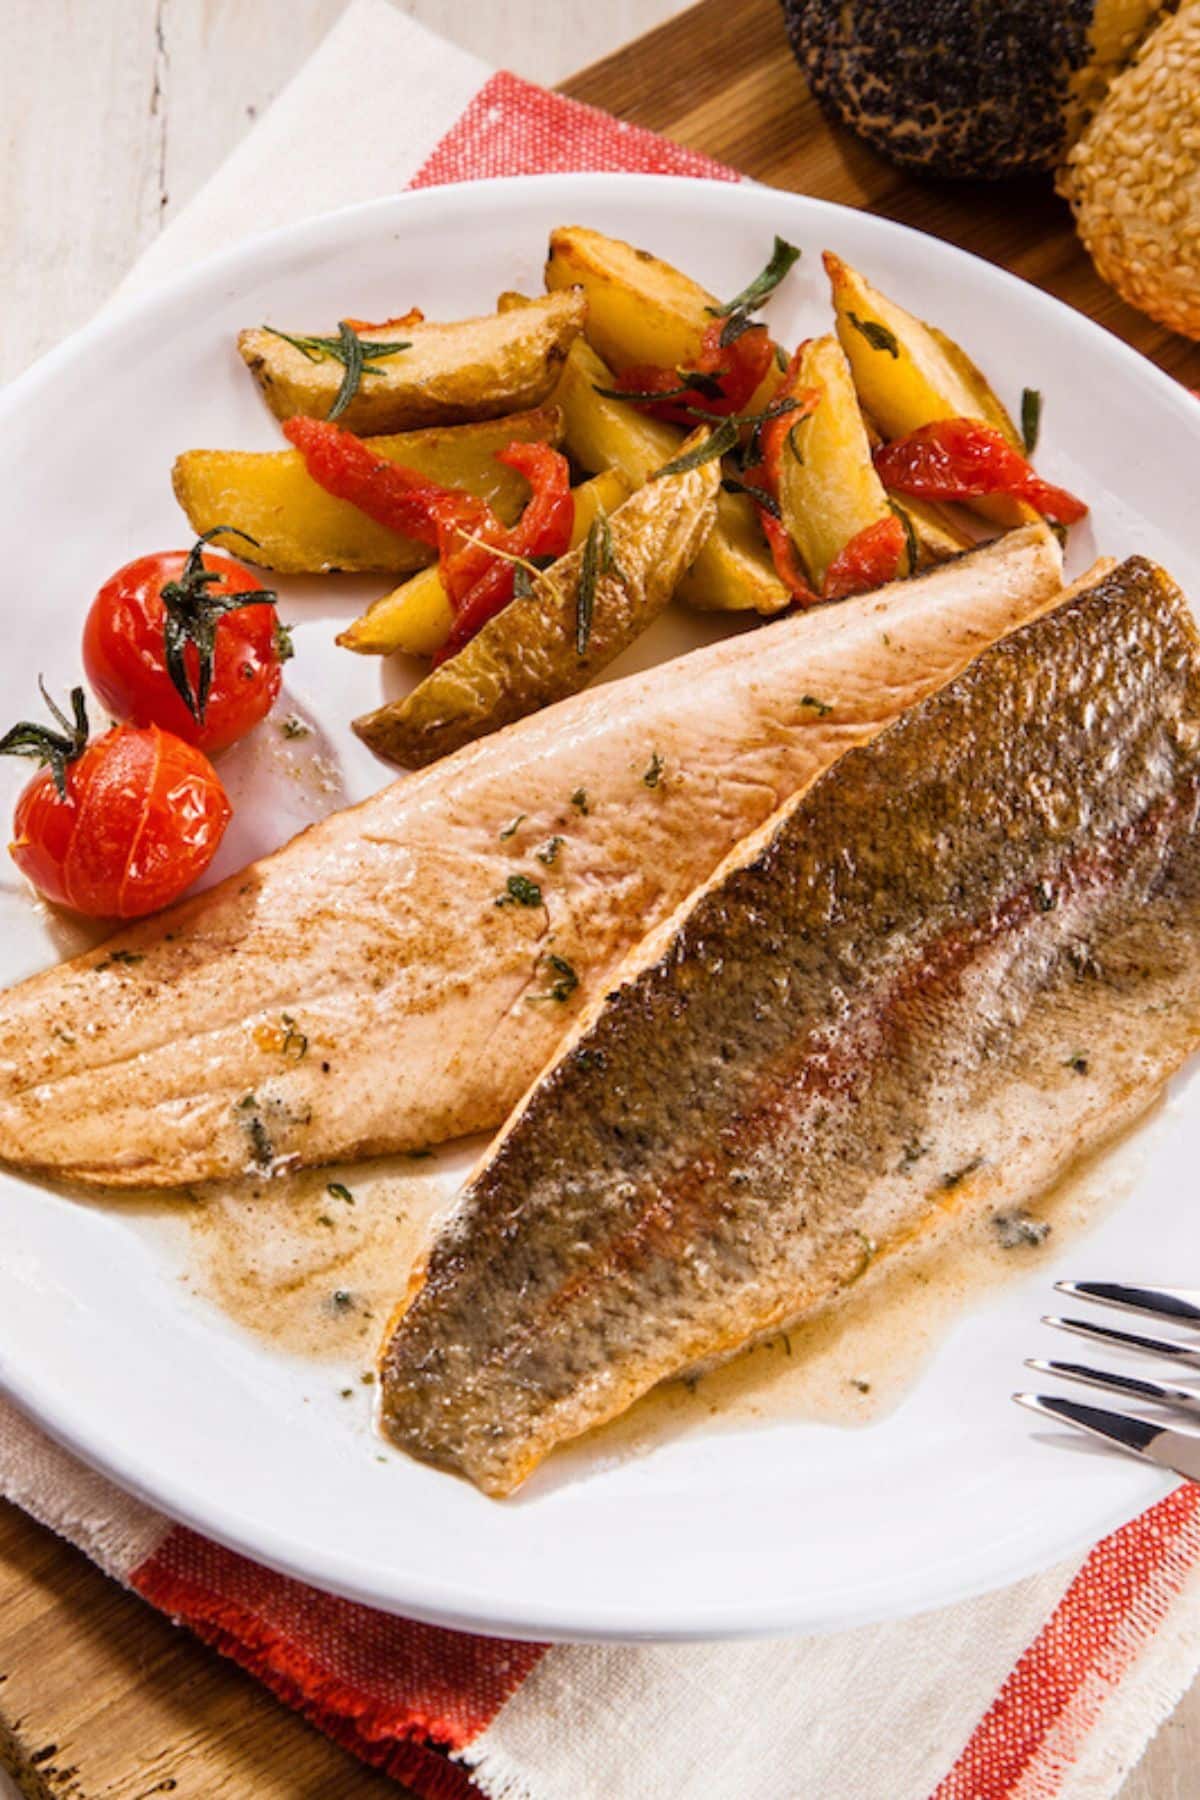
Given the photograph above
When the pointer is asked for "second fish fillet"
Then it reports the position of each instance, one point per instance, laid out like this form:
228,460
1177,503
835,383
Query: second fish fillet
969,950
398,974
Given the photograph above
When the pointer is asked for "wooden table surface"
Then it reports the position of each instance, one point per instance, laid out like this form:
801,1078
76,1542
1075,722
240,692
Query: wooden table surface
100,1699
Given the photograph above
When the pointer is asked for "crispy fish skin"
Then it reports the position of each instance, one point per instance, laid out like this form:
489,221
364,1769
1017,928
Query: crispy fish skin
972,946
419,1006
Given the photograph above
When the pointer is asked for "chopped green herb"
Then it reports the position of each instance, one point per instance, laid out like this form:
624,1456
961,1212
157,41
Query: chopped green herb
295,1043
511,829
342,1298
346,1393
64,1036
324,1219
1044,897
793,442
1031,419
548,853
652,774
125,957
820,707
1017,1229
294,727
247,1103
877,335
579,800
520,891
339,1191
564,981
284,647
781,359
887,640
355,355
912,1153
1078,1061
957,1176
863,1387
260,1142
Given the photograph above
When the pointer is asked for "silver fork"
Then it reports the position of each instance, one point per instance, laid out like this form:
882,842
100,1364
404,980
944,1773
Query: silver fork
1154,1441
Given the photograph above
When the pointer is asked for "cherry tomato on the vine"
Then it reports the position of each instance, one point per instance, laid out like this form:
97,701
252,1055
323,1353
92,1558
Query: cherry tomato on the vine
117,827
186,640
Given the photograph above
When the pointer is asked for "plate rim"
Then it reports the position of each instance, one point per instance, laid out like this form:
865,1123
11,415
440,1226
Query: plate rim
434,1597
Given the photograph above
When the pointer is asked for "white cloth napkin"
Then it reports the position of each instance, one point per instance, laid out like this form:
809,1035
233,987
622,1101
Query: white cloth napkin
1049,1688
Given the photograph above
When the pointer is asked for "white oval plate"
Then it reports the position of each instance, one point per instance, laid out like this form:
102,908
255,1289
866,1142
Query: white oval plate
766,1528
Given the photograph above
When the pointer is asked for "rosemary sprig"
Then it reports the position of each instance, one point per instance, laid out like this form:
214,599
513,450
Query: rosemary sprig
912,547
756,293
877,335
54,750
565,979
598,560
191,616
759,495
1031,418
355,354
520,891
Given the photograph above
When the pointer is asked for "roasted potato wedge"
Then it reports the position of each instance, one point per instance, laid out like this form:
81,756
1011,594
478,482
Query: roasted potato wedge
733,571
909,373
416,617
828,488
451,373
302,530
537,651
639,308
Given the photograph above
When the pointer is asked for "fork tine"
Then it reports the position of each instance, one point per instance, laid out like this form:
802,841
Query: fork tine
1172,1348
1134,1435
1180,1305
1158,1392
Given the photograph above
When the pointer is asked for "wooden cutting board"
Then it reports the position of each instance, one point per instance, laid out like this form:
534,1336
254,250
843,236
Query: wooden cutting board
101,1699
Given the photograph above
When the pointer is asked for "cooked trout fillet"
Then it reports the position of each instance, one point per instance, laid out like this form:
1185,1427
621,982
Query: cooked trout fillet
378,985
969,949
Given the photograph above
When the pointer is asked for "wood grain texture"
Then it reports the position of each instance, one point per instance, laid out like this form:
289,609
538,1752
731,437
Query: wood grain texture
102,1699
114,114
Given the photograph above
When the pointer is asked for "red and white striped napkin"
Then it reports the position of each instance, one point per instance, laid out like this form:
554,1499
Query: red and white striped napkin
1048,1690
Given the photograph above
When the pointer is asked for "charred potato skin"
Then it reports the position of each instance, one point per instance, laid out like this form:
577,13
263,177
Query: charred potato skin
451,374
302,530
527,656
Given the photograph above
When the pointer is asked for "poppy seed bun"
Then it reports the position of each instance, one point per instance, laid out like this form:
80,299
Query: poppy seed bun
1133,178
964,87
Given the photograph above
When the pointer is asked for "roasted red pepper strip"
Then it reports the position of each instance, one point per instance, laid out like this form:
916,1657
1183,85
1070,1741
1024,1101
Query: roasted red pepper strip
739,367
872,557
399,498
786,558
544,529
463,528
963,459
